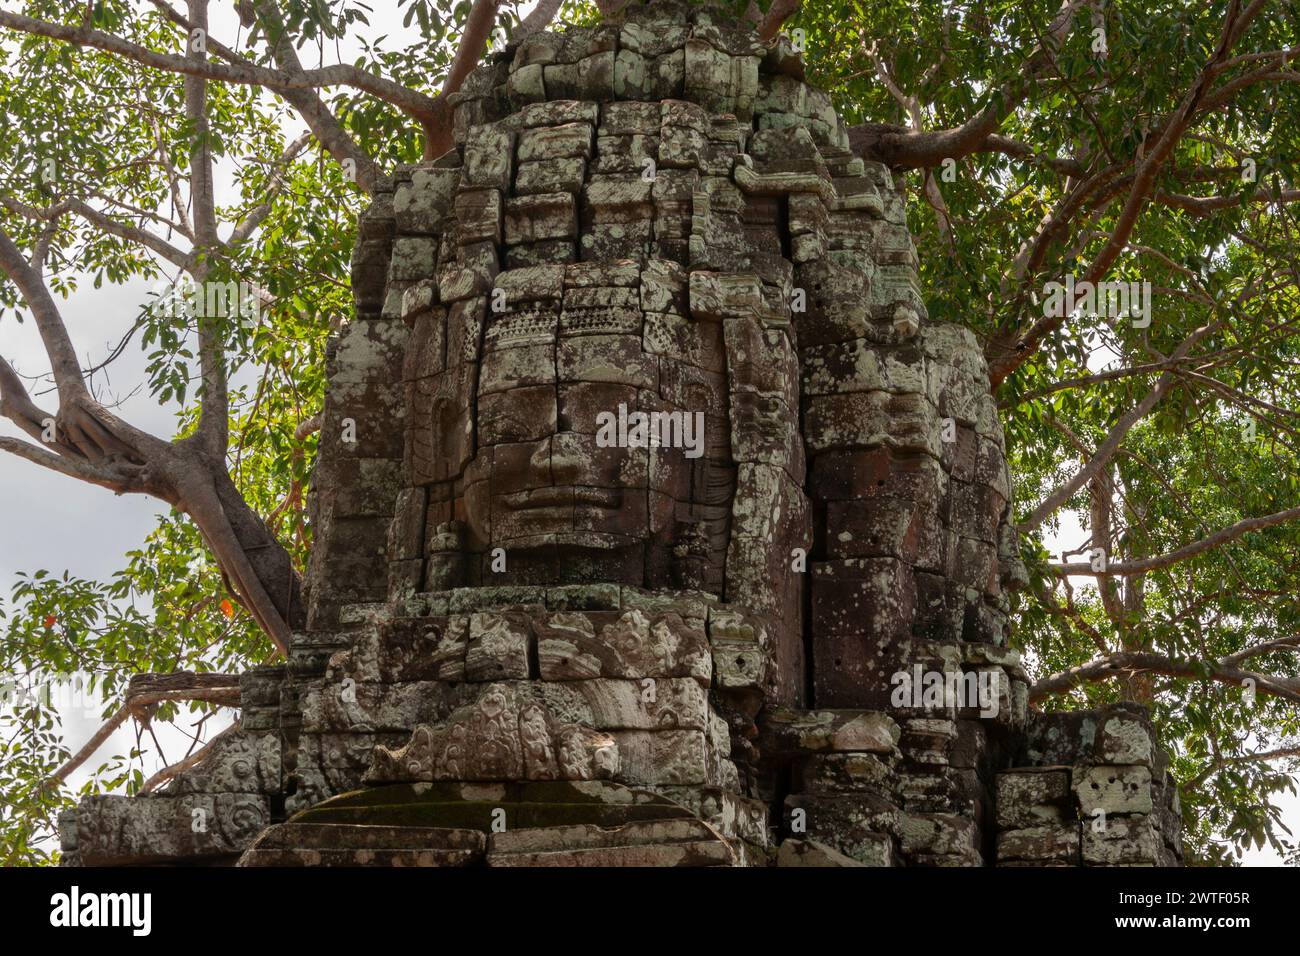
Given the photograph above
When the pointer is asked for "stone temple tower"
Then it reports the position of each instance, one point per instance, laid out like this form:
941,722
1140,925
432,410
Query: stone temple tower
656,522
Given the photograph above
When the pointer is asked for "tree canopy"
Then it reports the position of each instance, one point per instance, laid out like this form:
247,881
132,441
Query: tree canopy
1145,142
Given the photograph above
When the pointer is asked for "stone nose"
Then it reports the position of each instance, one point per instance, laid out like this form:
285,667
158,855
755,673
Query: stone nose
537,472
567,463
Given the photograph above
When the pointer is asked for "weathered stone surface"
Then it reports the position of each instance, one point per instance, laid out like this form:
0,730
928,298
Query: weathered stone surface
1044,845
154,828
656,472
1113,789
860,826
500,737
574,646
1030,798
846,773
242,763
827,730
942,834
569,140
697,853
1126,740
812,853
1120,841
308,844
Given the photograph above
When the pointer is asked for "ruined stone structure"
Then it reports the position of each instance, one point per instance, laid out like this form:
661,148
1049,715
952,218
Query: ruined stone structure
769,627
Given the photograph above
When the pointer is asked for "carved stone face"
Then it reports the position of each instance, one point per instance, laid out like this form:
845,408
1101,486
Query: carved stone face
584,436
602,386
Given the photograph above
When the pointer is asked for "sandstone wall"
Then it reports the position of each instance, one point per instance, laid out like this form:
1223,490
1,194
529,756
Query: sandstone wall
658,214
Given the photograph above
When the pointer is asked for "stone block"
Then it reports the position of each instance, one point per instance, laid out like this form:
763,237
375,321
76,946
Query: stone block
1121,841
478,215
1113,789
937,833
812,853
498,647
568,141
858,825
540,217
1031,797
564,175
489,158
1055,844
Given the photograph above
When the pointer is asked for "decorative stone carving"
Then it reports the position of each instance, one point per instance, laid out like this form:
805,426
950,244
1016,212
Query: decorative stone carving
659,476
499,737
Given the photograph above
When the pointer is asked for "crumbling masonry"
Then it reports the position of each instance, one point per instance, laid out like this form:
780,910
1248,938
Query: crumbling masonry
528,648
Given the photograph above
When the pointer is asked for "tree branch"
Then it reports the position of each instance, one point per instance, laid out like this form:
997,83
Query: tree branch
422,108
478,29
167,773
213,429
318,117
1143,565
79,468
1143,185
146,691
204,505
84,427
1217,765
94,743
1207,205
1083,380
17,406
538,20
255,216
108,224
1116,437
58,345
1125,663
1015,149
777,14
912,149
912,107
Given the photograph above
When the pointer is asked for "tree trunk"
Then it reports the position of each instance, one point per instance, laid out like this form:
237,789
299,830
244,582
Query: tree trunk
257,568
